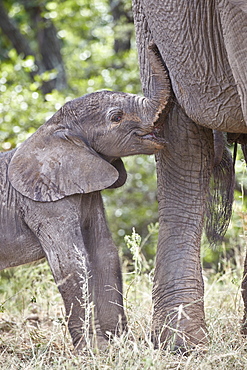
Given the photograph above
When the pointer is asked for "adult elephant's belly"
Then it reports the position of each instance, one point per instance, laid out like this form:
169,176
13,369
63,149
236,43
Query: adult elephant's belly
192,46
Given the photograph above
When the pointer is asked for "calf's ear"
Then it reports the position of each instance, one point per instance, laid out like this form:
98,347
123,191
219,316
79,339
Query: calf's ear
119,165
51,165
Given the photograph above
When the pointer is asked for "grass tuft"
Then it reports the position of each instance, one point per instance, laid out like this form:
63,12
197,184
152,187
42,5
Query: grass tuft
34,335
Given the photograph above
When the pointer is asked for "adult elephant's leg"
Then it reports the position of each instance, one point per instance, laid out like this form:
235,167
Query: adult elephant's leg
106,270
183,170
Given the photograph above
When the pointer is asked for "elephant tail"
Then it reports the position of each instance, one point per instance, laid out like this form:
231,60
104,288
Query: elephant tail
220,198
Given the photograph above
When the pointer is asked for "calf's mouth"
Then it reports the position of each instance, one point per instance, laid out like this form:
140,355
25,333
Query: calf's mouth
155,137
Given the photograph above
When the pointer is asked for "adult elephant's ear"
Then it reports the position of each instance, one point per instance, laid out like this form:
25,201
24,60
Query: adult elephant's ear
53,164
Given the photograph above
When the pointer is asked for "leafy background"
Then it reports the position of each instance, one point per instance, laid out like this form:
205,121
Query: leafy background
74,48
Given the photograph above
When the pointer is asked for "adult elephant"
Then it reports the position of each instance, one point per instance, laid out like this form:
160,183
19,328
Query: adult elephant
205,52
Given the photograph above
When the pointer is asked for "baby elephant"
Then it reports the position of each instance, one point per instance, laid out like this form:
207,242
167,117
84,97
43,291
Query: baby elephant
50,201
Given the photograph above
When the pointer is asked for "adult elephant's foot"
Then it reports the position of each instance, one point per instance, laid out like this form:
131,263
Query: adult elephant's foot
181,330
178,316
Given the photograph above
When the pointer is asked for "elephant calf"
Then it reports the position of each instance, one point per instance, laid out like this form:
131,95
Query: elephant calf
50,201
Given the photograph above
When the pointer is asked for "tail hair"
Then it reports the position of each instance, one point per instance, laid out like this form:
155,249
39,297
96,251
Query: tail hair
220,199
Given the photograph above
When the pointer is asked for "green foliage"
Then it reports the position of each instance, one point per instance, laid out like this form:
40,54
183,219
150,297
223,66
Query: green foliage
136,246
87,31
23,108
134,204
27,288
87,39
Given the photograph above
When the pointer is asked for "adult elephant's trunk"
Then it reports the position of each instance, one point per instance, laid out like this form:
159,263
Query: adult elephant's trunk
159,87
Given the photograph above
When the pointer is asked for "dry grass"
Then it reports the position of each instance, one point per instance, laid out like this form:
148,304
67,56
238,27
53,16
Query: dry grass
33,332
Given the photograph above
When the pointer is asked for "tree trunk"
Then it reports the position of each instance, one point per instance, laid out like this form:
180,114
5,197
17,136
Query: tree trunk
122,19
48,45
11,31
49,48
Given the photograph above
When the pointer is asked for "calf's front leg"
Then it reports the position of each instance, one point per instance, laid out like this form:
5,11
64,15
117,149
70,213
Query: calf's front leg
58,228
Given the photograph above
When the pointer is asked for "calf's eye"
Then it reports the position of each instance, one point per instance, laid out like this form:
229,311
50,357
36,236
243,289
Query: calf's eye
116,117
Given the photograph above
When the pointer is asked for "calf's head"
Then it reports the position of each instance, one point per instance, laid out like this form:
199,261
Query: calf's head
78,150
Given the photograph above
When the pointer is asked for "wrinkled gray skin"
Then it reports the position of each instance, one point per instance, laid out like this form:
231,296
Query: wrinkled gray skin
50,201
203,44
